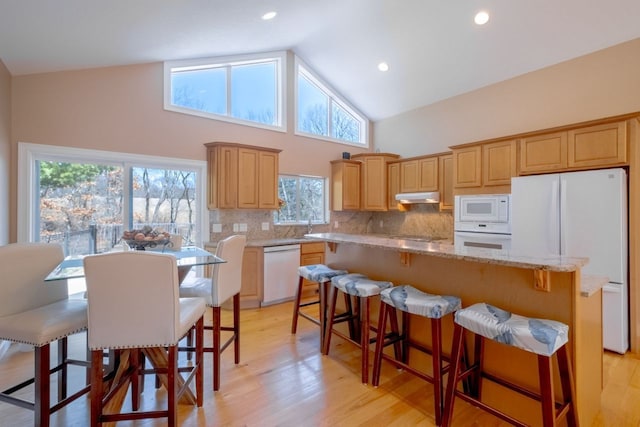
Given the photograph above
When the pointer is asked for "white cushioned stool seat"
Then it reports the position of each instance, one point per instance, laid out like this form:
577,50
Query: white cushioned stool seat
46,324
197,287
409,299
539,336
319,272
359,285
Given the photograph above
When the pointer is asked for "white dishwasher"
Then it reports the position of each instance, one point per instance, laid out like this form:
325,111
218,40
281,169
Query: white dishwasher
280,273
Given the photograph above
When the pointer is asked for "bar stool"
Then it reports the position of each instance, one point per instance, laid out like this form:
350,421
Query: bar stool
363,288
410,300
539,336
321,274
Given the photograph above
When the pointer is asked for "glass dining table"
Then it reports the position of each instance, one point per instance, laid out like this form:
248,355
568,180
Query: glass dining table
187,257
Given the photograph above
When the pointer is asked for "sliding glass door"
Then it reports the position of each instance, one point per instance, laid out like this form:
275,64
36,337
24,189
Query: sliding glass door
85,199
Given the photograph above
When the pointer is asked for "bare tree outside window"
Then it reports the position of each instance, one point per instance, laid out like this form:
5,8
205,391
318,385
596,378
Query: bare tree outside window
302,199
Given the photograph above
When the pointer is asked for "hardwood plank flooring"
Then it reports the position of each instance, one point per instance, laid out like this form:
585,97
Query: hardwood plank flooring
283,380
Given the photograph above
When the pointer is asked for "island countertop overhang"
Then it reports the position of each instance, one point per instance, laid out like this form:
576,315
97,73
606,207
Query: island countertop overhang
447,250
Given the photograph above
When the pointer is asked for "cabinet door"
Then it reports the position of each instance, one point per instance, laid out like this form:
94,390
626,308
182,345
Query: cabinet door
248,178
393,185
467,167
268,185
498,163
409,176
252,276
374,183
428,173
445,182
601,145
311,253
222,171
543,153
345,185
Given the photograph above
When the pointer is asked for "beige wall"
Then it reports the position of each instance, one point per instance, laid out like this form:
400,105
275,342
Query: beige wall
5,151
605,83
121,109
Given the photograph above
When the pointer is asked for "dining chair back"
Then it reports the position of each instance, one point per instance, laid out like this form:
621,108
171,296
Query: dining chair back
224,284
134,307
37,313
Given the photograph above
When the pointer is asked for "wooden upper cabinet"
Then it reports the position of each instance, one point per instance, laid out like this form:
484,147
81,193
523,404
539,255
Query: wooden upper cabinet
498,163
242,176
420,174
373,176
467,167
268,163
598,145
248,179
543,153
345,185
445,181
393,185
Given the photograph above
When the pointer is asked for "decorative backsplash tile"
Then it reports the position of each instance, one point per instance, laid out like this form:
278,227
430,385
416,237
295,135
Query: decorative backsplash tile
420,220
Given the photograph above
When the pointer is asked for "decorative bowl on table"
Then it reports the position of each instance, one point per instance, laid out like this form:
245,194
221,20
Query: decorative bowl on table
146,238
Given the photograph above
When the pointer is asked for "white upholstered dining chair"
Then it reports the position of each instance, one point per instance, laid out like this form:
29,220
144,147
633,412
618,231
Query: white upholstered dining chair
224,284
39,313
133,307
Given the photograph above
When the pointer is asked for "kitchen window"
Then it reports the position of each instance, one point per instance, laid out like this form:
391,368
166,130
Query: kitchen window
247,90
321,113
303,199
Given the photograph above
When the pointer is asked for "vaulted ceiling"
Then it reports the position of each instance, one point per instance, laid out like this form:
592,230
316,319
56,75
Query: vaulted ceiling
433,48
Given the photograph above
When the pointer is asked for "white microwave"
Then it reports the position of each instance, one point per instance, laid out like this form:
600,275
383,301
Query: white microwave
483,213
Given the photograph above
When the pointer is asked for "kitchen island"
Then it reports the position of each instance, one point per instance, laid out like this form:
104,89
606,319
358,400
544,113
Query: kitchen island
542,287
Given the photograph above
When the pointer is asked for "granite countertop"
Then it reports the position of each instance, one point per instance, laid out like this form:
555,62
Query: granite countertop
271,242
446,250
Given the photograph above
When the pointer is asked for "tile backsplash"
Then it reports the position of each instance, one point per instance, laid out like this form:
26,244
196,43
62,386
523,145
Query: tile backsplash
420,220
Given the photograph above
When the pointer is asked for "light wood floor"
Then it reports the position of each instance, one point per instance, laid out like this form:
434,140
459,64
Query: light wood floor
283,380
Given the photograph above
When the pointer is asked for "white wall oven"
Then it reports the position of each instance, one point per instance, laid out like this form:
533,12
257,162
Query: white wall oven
482,221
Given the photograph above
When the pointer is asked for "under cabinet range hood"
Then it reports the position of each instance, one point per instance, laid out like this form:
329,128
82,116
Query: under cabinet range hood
423,197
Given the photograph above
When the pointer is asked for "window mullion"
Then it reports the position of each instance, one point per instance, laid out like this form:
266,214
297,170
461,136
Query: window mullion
229,69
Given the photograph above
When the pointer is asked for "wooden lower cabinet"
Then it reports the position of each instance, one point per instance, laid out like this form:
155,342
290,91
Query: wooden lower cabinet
252,275
311,253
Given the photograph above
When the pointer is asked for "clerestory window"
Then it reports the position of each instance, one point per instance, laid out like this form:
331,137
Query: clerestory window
241,89
321,113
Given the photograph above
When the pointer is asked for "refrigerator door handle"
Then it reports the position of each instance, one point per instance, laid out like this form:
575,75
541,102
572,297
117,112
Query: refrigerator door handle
564,215
553,229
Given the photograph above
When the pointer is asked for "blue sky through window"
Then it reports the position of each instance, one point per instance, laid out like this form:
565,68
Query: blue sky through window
253,91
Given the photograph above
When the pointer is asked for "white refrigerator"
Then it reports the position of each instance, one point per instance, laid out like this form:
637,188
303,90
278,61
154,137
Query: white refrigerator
580,214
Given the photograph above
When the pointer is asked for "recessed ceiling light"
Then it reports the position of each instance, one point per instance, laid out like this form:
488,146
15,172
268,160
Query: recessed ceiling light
269,15
383,66
481,17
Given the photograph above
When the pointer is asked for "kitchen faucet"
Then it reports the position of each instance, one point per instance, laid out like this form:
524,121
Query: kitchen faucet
309,227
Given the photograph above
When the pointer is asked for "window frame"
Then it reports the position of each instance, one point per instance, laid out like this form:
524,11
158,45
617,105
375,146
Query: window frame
325,202
29,153
227,62
334,97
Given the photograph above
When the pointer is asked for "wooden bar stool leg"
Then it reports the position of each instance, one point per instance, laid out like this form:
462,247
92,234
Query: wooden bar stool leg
364,338
377,356
42,385
397,346
546,390
568,385
436,357
406,324
296,306
454,372
475,379
333,296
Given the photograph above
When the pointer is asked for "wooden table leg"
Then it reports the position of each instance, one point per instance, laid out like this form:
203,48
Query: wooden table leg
158,358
